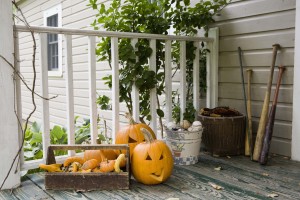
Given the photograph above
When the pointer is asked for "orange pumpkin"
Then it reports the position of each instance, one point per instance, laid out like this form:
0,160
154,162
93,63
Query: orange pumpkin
152,161
100,155
132,134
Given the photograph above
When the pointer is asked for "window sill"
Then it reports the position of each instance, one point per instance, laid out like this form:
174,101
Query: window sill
55,74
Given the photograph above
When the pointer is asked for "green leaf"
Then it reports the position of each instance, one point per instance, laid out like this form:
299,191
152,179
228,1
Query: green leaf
102,9
35,127
57,132
36,138
38,154
160,113
101,137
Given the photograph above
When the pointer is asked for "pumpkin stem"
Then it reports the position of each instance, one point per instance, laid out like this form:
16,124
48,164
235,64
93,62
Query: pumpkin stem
147,135
129,117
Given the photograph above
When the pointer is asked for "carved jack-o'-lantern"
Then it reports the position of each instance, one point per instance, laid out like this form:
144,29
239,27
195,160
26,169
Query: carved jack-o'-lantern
132,134
152,161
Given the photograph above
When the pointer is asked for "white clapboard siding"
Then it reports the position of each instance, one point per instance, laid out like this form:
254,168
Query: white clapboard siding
255,26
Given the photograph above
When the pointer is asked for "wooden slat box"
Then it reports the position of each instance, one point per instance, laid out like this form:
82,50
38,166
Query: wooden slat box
87,181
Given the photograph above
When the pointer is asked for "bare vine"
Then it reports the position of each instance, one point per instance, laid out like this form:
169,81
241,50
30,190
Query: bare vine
16,75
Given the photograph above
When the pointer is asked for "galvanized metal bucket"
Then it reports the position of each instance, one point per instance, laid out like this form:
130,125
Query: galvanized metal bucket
185,146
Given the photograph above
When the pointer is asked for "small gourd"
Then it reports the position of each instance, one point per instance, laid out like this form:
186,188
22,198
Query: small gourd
90,164
51,167
107,165
121,159
72,159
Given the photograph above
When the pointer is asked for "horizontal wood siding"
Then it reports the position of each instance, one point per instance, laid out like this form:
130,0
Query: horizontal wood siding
75,14
255,26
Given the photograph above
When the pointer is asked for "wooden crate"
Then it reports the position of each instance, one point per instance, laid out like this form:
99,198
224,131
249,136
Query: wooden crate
87,181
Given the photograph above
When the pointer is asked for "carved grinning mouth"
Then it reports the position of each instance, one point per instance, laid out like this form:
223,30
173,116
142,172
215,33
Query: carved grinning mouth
157,176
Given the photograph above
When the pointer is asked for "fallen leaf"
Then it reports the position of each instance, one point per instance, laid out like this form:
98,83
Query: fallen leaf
228,157
265,174
215,186
273,195
218,168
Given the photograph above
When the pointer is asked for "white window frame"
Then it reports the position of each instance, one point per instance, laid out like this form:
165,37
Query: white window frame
47,13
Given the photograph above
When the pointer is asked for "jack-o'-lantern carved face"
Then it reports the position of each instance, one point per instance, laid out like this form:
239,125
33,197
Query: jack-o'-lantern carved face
152,162
132,134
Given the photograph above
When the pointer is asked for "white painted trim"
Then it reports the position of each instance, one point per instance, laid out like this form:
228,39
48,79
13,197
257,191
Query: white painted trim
8,121
153,101
45,94
70,92
135,92
295,151
92,88
196,80
52,11
115,87
168,80
212,66
182,78
72,31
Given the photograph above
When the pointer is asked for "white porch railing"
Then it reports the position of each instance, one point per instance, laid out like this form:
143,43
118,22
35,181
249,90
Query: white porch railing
212,75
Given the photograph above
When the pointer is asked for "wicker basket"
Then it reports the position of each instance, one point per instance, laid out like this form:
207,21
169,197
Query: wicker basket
223,136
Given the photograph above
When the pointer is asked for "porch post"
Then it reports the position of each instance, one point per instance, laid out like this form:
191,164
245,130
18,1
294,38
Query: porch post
9,141
296,92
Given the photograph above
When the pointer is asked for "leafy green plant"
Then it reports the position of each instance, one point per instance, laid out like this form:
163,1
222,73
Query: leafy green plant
33,148
145,17
33,143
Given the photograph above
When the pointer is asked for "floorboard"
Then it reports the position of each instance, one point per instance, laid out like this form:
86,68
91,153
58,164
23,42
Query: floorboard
239,177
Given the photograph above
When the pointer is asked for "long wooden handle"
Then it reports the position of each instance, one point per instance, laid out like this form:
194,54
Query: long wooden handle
248,141
265,109
269,128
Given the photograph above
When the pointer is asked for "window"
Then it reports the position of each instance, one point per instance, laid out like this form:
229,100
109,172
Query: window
52,17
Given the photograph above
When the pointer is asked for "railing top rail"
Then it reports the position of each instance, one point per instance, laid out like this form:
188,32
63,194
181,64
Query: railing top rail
69,31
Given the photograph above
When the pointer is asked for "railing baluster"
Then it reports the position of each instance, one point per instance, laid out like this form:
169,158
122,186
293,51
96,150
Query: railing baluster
182,78
196,80
168,80
135,93
18,91
70,92
92,89
115,86
153,100
212,69
45,94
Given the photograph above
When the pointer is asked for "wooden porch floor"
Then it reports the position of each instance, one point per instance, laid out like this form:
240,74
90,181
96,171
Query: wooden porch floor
239,177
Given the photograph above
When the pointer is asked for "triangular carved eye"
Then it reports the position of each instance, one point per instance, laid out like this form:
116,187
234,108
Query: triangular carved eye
161,157
131,140
148,157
